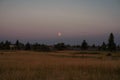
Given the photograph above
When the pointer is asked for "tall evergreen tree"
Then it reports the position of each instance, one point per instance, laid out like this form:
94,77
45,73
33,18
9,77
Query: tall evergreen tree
84,45
17,43
111,43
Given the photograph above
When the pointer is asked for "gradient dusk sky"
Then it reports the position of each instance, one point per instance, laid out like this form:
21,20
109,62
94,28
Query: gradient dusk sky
42,20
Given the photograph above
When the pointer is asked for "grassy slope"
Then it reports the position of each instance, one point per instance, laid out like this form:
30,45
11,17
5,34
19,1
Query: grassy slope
28,65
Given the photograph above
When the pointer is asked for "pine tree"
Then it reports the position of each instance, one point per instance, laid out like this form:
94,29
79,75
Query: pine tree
111,43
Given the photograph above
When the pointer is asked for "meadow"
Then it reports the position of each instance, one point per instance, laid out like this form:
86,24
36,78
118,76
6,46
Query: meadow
59,65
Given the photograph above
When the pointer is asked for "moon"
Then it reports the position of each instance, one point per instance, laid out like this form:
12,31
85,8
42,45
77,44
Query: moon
59,34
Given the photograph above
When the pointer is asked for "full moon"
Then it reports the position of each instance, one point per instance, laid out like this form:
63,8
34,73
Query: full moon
59,34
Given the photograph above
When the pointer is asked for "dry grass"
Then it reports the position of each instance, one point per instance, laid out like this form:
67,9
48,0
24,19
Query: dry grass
28,65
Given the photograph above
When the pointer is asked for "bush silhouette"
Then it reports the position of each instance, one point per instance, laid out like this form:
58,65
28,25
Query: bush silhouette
84,45
60,46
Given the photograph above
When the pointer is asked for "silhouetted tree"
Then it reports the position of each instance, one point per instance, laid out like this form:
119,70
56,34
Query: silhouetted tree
44,47
40,47
17,44
36,46
103,46
60,46
111,43
28,46
7,45
84,45
1,45
93,46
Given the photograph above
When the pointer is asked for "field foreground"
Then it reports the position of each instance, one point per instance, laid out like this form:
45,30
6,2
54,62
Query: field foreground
66,65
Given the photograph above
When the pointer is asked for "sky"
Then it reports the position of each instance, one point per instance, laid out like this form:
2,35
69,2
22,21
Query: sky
43,20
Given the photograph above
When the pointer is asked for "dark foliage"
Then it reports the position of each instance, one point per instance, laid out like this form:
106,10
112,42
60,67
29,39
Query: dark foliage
28,46
7,45
44,47
111,43
84,45
93,46
36,46
104,46
60,46
40,47
19,45
2,45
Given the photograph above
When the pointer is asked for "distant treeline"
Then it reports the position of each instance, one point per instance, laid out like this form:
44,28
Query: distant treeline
110,46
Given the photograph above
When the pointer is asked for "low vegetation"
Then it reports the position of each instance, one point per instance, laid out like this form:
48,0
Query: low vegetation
29,65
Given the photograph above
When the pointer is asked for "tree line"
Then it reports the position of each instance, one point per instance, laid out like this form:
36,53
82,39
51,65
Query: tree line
110,46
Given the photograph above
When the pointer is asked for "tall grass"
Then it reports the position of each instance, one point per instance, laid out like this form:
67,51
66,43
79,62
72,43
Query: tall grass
40,66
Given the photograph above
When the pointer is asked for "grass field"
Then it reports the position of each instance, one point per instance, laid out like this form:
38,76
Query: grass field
62,65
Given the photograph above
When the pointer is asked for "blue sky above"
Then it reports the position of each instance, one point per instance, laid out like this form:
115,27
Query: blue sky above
41,20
